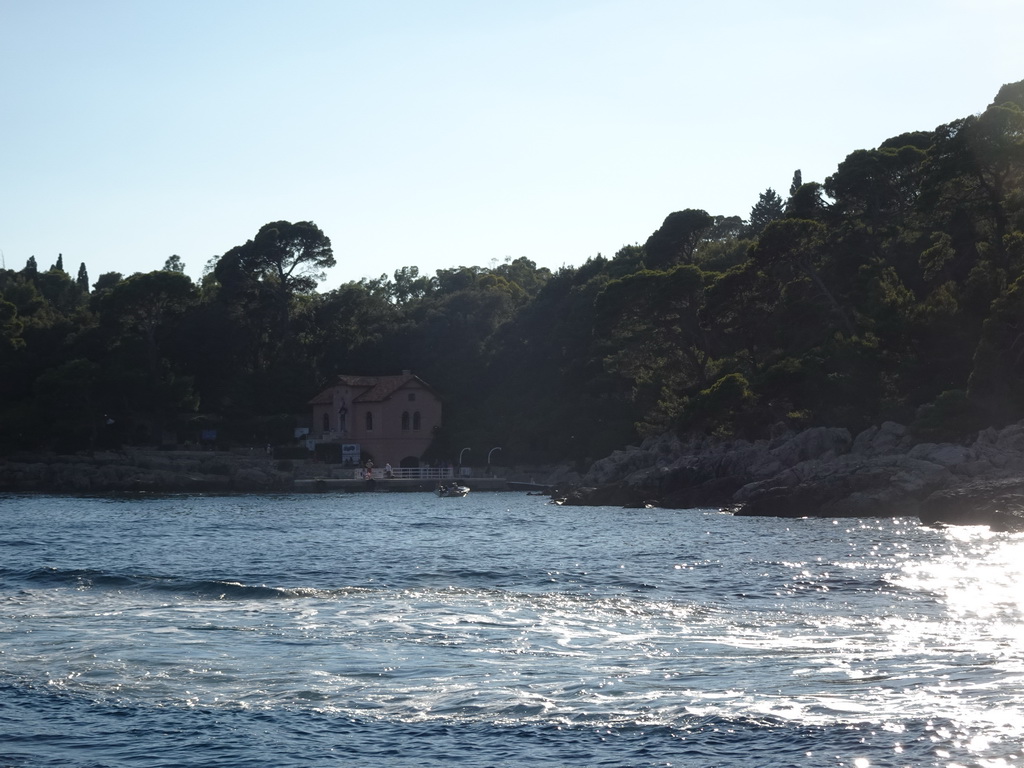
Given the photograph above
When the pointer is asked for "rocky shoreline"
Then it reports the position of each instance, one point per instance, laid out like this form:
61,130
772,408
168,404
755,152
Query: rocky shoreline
139,471
822,472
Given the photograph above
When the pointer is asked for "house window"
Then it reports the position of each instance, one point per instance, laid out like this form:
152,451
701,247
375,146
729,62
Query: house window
327,423
405,420
369,422
416,420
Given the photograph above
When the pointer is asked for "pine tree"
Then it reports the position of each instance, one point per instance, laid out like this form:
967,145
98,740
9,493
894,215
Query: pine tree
174,264
83,278
768,208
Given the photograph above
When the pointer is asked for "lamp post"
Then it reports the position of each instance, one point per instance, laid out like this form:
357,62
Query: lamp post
489,459
460,460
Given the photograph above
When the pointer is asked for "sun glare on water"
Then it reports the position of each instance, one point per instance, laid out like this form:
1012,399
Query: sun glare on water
985,587
976,619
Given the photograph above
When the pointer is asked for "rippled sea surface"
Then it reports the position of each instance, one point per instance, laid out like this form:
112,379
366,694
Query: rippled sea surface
393,629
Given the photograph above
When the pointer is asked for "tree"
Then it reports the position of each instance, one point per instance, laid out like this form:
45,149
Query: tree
409,285
657,337
996,381
65,403
83,278
291,257
295,255
140,314
798,244
524,273
806,202
798,181
262,284
975,167
144,302
107,280
10,325
675,241
1012,93
768,208
174,264
879,186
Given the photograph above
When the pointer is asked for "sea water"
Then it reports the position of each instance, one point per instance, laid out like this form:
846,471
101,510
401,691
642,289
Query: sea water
400,629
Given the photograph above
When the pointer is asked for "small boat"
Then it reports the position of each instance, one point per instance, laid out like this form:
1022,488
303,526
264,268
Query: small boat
452,490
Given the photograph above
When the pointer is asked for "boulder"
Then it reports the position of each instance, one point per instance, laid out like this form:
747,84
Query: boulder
618,465
618,495
998,504
890,437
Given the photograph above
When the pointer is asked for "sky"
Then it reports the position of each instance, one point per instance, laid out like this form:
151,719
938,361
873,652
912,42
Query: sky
451,133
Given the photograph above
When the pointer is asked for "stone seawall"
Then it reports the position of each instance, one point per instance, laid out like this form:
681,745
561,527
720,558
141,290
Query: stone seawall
153,471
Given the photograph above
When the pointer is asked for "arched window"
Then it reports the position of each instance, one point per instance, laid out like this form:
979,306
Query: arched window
327,423
369,422
405,420
416,420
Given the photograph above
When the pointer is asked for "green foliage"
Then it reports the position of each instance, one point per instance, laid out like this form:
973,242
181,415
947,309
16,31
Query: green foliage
10,325
719,409
82,281
893,290
997,379
174,264
768,208
798,181
806,202
678,237
951,417
64,404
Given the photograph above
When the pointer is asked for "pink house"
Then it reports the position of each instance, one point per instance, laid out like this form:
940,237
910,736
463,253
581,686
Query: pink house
391,419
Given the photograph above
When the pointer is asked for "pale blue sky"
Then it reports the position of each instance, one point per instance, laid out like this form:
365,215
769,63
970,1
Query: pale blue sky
450,132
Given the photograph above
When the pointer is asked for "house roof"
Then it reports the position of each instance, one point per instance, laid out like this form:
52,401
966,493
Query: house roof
376,389
324,398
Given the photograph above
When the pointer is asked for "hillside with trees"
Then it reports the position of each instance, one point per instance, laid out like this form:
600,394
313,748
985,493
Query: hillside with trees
891,290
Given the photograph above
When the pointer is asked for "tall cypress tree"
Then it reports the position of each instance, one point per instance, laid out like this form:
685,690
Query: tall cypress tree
798,181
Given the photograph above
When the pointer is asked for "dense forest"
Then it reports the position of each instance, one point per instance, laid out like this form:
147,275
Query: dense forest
892,290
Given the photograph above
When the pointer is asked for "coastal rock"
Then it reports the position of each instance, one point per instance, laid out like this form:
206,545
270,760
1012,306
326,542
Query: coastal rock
998,504
615,467
824,472
817,443
890,437
618,495
944,454
847,486
141,471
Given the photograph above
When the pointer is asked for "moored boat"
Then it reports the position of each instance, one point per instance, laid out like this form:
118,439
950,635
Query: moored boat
451,490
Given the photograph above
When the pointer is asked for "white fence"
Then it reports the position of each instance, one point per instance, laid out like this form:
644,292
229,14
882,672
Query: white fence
411,473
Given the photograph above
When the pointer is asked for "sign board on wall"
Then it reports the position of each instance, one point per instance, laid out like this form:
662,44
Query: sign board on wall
350,453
